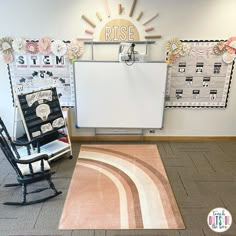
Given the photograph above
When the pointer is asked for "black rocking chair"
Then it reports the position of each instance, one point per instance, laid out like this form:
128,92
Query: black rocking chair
29,169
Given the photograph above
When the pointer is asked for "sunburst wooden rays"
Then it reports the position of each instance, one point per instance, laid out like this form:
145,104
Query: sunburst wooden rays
120,9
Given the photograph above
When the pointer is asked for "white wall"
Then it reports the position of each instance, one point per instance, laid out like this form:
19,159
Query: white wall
61,19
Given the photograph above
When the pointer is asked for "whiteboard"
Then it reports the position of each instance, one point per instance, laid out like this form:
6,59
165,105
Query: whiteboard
115,95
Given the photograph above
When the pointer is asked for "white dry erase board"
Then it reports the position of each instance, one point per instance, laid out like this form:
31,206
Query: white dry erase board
115,95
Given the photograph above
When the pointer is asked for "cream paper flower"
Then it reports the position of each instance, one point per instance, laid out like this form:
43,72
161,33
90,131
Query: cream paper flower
6,45
184,50
228,57
19,45
219,48
174,46
59,48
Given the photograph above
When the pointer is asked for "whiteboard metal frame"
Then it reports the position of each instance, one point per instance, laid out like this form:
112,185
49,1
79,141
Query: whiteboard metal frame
108,61
93,43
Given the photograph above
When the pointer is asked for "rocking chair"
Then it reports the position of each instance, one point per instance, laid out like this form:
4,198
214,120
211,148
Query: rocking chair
29,169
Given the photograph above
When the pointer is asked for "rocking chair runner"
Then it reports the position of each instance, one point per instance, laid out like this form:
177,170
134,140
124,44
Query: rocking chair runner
29,169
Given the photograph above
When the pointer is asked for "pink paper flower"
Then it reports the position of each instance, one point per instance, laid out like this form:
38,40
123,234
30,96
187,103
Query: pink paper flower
31,47
7,58
172,57
75,50
231,45
45,46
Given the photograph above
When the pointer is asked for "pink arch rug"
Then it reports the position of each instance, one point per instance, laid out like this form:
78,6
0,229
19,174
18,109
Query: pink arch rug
120,187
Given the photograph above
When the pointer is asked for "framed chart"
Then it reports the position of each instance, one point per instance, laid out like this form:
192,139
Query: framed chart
200,77
41,112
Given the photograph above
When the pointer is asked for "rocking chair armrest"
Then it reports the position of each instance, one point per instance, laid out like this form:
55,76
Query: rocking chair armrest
39,157
28,144
25,143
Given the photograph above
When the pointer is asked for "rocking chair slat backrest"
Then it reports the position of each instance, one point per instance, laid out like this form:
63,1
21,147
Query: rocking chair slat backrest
8,148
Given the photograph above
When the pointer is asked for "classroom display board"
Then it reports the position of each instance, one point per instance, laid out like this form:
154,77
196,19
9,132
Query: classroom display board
114,95
201,77
32,72
41,112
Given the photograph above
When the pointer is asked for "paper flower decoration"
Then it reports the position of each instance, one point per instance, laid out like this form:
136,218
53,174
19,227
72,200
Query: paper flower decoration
228,57
6,45
18,45
75,50
231,45
59,48
172,58
7,58
219,48
45,46
174,46
185,49
31,47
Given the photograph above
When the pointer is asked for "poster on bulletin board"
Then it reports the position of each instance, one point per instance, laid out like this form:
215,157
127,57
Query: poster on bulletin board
29,72
199,75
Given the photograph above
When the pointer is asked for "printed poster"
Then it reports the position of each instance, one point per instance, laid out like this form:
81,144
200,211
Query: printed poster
33,72
199,79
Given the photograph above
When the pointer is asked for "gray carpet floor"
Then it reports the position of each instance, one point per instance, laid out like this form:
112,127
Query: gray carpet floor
202,176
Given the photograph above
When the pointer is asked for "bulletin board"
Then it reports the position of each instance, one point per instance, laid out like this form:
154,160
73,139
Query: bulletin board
41,112
115,95
32,72
200,78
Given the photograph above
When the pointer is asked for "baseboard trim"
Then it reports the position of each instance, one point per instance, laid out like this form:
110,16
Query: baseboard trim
152,138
